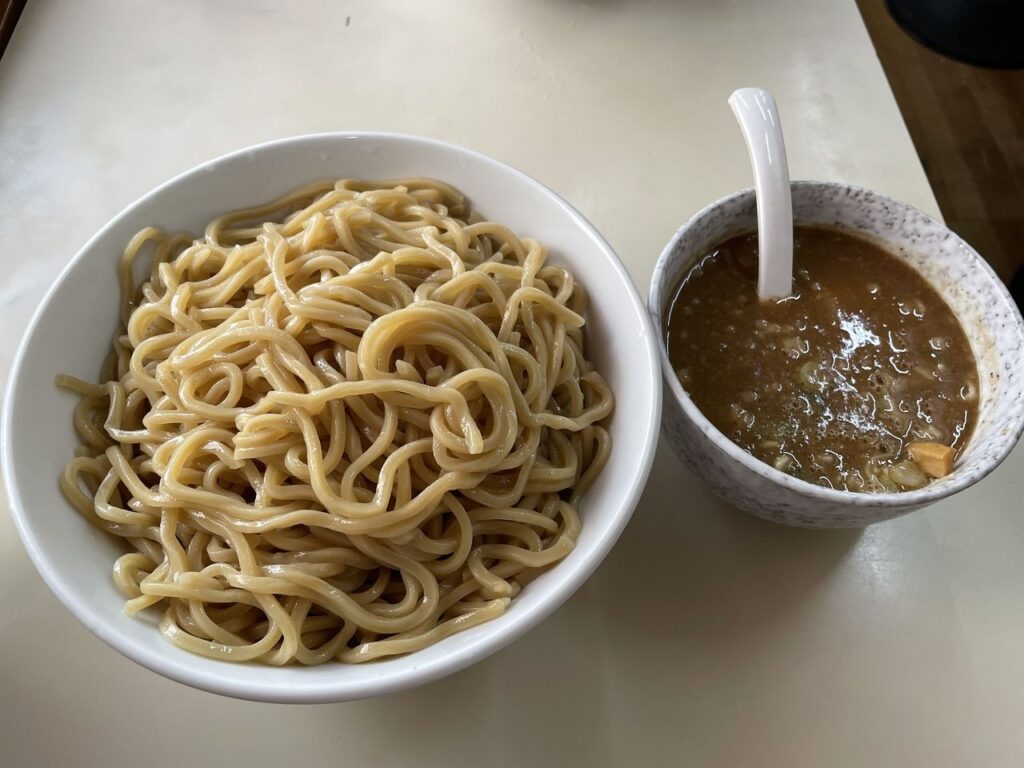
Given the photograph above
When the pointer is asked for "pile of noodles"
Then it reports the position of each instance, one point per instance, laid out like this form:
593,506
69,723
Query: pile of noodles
343,425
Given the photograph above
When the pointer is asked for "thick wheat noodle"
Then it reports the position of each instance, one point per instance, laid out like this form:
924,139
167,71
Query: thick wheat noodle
342,425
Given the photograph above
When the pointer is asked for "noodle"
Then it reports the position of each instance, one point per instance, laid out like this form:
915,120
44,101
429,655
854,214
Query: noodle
342,425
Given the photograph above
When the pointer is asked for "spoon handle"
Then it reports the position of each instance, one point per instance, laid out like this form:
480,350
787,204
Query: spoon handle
758,117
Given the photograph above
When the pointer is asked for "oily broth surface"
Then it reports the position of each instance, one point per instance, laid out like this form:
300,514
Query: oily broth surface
830,384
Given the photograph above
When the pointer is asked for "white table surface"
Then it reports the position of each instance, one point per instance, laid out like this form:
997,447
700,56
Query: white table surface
753,645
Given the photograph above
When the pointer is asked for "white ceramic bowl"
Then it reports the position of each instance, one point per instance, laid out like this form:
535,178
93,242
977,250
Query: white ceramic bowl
979,299
71,333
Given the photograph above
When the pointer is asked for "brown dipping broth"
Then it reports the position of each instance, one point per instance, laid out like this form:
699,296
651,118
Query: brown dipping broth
830,384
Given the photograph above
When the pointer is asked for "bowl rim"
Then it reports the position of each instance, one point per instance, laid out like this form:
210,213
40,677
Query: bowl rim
915,498
318,688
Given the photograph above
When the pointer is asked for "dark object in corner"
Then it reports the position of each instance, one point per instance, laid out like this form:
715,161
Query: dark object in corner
10,12
986,33
1017,288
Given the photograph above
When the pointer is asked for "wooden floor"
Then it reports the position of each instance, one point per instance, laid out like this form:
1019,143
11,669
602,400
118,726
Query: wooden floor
967,124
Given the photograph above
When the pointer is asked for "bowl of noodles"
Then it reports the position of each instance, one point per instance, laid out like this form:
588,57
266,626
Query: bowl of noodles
330,417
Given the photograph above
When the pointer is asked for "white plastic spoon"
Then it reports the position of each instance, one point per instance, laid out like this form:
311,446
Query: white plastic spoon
758,117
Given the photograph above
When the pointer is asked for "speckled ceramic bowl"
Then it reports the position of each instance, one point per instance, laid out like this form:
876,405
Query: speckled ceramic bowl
964,280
